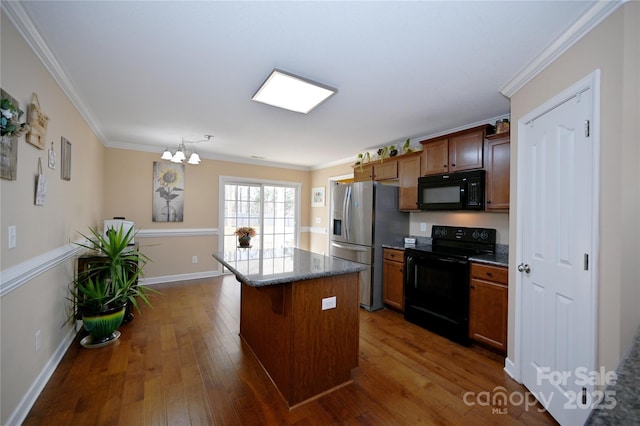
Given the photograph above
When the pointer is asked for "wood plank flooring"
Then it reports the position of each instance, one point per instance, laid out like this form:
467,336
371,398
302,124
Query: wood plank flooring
183,363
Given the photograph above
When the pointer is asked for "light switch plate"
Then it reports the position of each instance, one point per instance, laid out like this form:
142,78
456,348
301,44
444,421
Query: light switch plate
328,303
12,237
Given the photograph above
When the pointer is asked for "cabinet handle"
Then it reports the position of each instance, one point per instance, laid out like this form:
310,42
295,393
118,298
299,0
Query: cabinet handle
453,165
489,274
472,287
489,202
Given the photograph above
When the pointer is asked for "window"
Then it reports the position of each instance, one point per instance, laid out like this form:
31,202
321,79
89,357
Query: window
271,208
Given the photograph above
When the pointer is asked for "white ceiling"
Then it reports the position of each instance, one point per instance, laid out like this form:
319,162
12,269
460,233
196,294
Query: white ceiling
146,74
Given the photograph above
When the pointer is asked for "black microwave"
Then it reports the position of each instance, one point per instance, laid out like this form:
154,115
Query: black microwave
452,191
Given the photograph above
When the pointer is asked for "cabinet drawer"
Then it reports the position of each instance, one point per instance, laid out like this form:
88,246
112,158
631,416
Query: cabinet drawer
394,255
497,274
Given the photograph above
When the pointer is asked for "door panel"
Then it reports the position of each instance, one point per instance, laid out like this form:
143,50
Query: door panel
556,213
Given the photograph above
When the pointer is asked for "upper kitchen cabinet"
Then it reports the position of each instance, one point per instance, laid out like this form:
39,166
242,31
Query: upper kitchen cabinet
362,173
497,159
455,152
408,174
385,170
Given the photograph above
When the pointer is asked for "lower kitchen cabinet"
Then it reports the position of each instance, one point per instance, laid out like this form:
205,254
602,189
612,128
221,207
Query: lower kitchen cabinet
393,279
488,301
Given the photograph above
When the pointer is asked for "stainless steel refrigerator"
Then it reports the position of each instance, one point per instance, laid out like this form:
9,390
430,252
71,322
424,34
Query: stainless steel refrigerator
364,216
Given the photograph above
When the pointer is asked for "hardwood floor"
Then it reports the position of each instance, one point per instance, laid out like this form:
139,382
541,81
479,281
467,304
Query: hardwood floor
183,363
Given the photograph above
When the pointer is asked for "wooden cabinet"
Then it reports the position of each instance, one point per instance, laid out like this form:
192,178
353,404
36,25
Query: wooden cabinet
363,173
435,157
455,152
393,279
385,170
488,300
497,160
408,174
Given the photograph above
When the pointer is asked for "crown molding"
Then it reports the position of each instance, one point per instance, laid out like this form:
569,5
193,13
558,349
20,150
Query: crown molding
600,11
18,16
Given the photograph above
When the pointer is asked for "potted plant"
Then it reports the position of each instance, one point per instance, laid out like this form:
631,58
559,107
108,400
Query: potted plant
102,293
10,119
244,234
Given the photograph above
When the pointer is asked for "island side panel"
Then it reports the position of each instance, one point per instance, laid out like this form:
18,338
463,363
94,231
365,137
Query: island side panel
265,325
325,342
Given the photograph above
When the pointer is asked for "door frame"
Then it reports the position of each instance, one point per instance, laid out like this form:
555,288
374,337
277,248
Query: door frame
592,82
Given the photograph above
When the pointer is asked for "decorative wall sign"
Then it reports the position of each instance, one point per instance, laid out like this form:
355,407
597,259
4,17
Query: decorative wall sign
41,186
65,156
168,192
317,197
52,158
38,121
8,157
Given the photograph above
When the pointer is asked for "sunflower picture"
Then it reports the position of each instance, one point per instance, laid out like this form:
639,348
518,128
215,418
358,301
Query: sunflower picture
168,192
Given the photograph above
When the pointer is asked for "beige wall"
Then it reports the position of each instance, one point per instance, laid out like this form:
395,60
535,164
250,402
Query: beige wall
612,47
128,191
73,205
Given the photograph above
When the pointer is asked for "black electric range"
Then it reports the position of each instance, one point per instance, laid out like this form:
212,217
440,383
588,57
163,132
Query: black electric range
436,287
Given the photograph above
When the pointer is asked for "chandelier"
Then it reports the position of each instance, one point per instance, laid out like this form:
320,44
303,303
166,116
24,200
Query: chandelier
182,152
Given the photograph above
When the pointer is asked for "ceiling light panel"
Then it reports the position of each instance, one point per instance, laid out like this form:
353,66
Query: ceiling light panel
290,92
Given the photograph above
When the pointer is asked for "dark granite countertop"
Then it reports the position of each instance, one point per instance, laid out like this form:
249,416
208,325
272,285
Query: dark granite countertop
624,392
259,268
497,259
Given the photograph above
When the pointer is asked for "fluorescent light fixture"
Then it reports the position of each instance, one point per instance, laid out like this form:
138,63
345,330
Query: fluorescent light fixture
290,92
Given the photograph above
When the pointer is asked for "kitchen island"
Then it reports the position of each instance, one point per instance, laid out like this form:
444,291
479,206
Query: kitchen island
299,316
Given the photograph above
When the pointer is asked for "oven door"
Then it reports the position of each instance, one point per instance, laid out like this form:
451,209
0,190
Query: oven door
437,293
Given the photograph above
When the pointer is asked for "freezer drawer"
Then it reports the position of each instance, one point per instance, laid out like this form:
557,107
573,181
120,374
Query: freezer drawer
352,252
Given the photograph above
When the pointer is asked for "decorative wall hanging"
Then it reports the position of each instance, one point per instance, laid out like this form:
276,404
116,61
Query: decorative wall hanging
317,197
41,186
65,156
52,158
38,121
168,192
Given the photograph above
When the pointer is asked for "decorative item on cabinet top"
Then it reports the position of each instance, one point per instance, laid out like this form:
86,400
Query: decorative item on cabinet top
385,152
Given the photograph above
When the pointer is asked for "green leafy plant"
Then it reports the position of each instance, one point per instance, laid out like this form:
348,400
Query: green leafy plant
10,119
111,280
406,149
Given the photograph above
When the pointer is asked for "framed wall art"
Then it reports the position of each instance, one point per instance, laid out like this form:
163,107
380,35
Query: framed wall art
168,192
65,157
317,197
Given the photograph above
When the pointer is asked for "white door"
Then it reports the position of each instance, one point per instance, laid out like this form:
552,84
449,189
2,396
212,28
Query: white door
556,171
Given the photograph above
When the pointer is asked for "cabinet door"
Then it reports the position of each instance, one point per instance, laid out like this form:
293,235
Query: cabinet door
393,279
385,170
488,314
408,174
435,157
465,151
362,173
498,156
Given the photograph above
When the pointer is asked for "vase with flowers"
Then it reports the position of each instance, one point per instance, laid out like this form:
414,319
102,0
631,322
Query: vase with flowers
244,234
10,119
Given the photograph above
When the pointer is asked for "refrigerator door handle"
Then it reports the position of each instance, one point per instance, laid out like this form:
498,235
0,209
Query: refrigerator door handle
349,247
346,209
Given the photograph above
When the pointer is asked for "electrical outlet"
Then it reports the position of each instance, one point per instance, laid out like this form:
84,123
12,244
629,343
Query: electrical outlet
194,259
38,340
423,227
328,303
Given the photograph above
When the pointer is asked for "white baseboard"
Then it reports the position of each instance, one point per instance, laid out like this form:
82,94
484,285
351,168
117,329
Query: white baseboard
180,277
20,413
